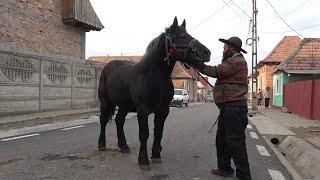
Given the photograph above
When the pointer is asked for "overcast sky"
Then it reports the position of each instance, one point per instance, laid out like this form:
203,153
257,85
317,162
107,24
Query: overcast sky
131,25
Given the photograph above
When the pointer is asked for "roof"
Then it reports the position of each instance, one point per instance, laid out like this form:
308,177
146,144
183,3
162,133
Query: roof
204,82
181,72
81,12
100,61
200,85
282,50
305,59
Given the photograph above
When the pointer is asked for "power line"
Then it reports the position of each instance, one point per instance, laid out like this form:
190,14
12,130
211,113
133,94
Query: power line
231,8
289,13
308,27
283,19
240,9
208,18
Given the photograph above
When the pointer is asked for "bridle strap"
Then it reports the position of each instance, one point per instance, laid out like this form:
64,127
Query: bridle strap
171,47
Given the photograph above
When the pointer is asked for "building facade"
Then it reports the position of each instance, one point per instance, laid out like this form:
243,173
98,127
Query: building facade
280,52
302,65
42,55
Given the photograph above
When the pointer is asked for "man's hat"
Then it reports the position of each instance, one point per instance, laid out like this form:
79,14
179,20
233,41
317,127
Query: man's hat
235,42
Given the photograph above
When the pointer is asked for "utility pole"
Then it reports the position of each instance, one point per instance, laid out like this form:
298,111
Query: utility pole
254,90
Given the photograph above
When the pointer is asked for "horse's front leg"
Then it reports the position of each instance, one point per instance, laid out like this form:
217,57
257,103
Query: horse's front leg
144,162
159,120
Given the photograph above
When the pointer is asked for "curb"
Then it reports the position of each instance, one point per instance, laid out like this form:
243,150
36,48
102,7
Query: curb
47,127
43,115
295,175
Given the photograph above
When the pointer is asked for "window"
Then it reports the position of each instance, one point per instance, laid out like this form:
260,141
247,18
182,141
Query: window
277,90
178,92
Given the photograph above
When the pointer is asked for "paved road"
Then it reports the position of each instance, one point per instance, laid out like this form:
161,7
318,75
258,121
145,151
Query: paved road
188,151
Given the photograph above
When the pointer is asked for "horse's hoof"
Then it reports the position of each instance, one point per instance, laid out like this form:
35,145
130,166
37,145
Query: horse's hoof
156,160
102,148
145,167
124,150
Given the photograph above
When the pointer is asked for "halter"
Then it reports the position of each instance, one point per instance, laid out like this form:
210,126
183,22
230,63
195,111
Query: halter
171,48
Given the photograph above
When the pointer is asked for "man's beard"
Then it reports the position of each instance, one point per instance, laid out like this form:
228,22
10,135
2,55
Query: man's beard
227,54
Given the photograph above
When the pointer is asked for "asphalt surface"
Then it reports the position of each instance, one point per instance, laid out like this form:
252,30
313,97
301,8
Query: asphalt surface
188,151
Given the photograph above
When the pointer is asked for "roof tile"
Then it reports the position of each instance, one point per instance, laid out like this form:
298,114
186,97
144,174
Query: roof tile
305,57
283,49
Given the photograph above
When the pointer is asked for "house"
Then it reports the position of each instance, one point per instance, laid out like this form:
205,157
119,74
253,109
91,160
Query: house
99,62
204,88
280,52
42,55
185,79
303,64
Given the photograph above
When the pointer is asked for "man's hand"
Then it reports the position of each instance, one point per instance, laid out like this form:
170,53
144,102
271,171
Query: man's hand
196,64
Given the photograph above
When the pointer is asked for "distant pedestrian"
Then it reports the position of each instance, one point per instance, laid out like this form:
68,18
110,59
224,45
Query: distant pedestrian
266,97
259,97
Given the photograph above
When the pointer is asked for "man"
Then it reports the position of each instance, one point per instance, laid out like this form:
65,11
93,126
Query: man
230,96
259,97
267,97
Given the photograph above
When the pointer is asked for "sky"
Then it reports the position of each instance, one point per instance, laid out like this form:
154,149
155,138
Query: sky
131,25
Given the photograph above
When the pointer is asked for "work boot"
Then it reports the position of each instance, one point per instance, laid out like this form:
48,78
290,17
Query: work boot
222,173
244,177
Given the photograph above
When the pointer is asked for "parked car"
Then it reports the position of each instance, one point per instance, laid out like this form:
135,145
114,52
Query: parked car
209,99
180,97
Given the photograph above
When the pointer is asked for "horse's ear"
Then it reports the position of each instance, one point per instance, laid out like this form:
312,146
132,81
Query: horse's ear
184,23
175,22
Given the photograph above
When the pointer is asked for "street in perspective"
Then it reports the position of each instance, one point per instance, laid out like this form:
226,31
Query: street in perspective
188,150
159,90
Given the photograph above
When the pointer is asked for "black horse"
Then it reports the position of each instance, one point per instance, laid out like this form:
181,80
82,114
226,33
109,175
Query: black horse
146,87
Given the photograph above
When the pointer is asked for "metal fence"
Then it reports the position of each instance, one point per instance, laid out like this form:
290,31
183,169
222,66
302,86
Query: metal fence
303,98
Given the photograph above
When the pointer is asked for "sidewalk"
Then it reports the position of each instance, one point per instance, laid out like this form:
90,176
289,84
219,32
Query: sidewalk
299,138
48,117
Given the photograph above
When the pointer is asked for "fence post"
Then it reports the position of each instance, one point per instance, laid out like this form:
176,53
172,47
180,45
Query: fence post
312,99
40,86
95,87
72,84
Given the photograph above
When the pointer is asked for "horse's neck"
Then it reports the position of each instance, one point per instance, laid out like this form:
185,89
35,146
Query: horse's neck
156,65
154,59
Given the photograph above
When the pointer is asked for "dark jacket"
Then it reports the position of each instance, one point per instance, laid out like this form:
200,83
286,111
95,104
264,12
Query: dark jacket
231,85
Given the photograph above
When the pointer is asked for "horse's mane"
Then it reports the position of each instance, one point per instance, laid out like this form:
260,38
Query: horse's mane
155,48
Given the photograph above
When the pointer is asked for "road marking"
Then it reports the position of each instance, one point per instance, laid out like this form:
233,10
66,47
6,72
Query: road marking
74,127
19,137
276,175
249,126
254,135
129,117
262,150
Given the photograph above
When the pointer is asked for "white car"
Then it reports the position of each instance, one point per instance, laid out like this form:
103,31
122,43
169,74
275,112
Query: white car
180,97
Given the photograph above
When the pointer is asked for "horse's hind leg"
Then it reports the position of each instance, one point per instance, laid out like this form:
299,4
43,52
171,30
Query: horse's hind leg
106,110
120,120
159,120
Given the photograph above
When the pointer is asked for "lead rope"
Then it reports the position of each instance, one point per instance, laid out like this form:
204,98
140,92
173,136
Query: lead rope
215,122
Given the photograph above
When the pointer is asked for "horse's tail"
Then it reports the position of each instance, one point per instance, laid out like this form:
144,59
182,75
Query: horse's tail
107,107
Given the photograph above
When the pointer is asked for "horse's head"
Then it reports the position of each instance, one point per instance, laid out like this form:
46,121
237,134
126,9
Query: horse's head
183,46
